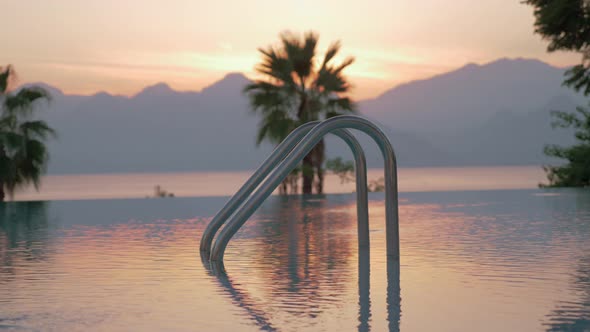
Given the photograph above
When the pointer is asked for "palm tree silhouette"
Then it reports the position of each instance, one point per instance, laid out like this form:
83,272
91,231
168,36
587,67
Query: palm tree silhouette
23,154
297,89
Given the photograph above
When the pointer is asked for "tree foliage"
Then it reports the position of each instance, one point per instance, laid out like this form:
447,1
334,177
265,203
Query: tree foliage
377,185
298,87
576,173
343,169
566,25
23,154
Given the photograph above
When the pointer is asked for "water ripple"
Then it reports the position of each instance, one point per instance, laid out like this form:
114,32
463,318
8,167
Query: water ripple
486,261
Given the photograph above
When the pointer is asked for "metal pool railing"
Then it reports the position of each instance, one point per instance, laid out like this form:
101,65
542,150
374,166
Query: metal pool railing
268,165
285,158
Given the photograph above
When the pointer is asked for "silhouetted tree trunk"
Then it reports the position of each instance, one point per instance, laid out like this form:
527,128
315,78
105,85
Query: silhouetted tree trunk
2,158
307,173
307,165
318,160
292,180
283,187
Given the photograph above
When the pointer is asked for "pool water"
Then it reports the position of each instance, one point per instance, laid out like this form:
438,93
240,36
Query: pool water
516,260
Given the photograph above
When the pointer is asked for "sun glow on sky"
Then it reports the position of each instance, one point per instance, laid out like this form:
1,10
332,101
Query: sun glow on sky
122,46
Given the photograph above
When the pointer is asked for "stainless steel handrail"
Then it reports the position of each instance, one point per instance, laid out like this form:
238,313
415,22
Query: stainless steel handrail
290,162
266,167
269,164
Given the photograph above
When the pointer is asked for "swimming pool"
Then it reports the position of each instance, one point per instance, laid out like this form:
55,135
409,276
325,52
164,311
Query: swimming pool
516,260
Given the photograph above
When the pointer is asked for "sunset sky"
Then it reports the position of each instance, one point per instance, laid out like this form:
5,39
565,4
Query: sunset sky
122,46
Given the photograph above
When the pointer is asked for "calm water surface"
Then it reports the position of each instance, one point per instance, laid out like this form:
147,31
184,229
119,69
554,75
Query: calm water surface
505,260
207,184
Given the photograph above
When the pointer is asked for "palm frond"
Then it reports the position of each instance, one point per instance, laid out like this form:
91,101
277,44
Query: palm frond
24,99
264,95
301,54
7,123
347,62
329,82
295,89
308,53
37,129
276,66
23,154
274,126
30,163
11,142
5,75
339,106
331,53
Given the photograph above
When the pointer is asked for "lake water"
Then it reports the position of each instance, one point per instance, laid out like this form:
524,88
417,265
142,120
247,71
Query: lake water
493,260
207,184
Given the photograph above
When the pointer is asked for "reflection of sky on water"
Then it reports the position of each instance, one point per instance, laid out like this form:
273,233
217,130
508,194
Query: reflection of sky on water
574,315
207,184
486,261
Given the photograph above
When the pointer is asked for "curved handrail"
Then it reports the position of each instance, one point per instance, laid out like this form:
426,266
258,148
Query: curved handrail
269,164
296,155
266,167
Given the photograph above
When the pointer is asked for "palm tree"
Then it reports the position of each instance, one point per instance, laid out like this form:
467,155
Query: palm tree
298,89
23,154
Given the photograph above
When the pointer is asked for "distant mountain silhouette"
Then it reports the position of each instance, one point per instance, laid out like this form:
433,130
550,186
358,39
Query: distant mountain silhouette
510,137
158,129
159,90
469,96
493,114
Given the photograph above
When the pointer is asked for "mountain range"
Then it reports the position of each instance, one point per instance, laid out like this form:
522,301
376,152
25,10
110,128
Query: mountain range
491,114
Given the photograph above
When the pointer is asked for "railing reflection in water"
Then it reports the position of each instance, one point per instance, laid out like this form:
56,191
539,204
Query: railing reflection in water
293,268
264,322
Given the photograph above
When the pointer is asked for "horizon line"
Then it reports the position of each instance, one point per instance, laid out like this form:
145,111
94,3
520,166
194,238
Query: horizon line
245,75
